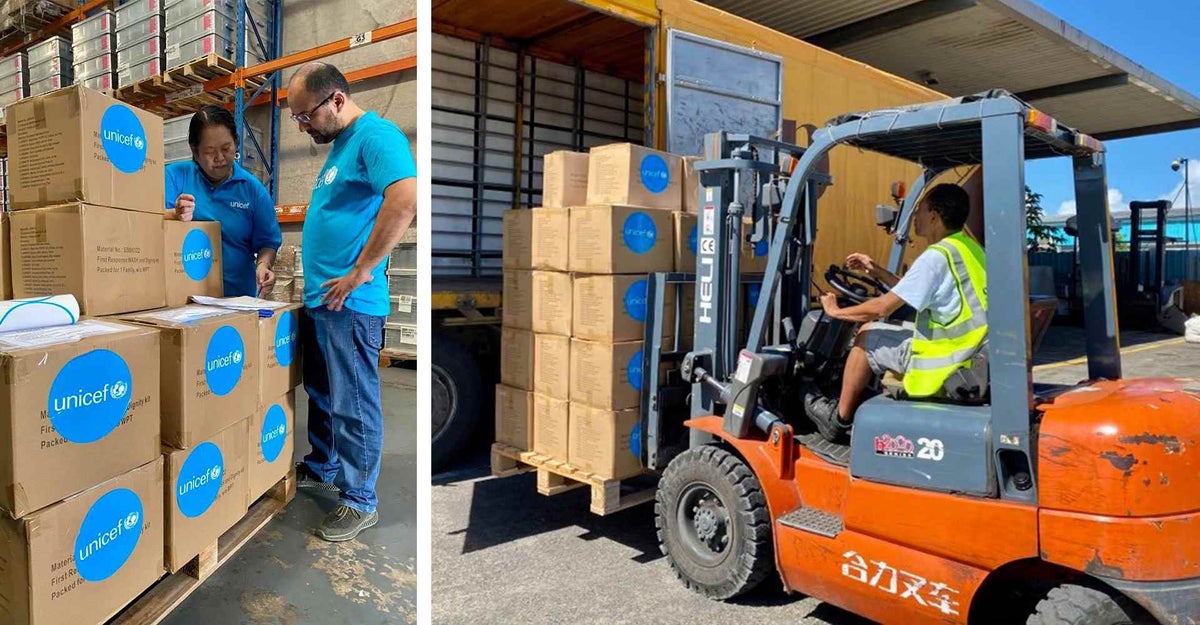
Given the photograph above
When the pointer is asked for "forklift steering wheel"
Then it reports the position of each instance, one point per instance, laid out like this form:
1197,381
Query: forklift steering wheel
855,286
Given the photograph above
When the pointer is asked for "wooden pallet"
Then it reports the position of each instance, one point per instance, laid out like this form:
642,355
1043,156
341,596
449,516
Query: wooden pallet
181,86
170,592
390,356
555,477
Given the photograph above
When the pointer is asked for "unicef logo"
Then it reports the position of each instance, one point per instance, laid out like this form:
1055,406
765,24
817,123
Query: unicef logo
286,331
274,433
89,396
331,175
223,360
633,371
640,233
635,439
692,240
761,248
655,175
108,535
123,138
635,301
197,254
199,480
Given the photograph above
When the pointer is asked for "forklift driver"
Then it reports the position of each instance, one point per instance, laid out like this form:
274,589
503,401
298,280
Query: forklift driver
947,333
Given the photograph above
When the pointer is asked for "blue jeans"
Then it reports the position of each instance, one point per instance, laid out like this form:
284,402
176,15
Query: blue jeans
345,417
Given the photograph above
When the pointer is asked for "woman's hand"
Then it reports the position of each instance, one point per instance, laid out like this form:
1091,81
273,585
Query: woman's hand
185,205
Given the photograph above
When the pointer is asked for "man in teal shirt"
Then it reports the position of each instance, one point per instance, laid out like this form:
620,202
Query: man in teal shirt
363,200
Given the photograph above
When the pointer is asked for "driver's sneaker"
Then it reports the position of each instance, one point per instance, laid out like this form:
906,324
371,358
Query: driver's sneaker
823,412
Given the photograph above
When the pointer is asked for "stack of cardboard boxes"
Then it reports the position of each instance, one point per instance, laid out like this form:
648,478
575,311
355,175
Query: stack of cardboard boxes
575,316
141,433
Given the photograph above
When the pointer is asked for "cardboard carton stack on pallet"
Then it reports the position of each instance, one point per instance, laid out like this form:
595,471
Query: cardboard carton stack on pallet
580,352
143,431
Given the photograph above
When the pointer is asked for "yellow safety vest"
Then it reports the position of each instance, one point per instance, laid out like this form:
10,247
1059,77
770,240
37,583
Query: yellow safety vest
940,350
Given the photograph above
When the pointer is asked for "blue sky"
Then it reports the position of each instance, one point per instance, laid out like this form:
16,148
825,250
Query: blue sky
1161,36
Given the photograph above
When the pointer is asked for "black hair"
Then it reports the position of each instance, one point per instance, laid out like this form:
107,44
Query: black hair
323,79
210,116
951,203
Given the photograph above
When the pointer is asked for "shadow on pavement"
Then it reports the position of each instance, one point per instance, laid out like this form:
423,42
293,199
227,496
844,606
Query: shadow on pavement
1064,342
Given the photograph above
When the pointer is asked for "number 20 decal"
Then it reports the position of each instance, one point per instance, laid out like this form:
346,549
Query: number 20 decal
931,449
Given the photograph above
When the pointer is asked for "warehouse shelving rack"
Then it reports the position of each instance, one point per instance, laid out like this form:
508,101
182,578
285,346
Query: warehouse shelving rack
215,80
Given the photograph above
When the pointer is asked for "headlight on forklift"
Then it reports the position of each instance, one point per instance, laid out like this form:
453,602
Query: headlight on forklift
1041,121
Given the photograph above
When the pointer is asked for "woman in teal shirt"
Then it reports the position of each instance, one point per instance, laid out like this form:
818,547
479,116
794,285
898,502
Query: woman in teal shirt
213,186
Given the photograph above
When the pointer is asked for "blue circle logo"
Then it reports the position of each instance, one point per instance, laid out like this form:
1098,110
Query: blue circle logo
692,240
123,138
197,254
635,439
108,535
635,301
640,233
286,331
633,371
655,175
274,433
199,480
223,360
761,248
89,396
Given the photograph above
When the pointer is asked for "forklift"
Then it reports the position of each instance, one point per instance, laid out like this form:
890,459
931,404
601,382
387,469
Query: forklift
1001,502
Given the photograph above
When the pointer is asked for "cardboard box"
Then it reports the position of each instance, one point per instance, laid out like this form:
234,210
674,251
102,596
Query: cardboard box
632,175
207,494
271,435
536,239
514,417
517,360
621,239
550,425
614,308
552,365
691,184
5,266
552,302
209,370
84,559
564,179
754,256
605,442
110,260
76,144
193,260
517,303
685,242
279,352
606,375
79,405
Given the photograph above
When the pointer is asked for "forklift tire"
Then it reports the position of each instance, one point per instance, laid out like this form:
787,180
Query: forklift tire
455,399
713,523
1069,604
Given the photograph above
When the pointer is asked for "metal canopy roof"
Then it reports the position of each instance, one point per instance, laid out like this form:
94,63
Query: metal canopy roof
969,46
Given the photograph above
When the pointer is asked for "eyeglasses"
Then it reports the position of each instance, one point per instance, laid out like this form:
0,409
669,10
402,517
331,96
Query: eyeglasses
306,117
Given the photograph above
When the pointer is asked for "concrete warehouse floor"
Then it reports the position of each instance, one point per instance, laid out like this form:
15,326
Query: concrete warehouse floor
503,553
288,576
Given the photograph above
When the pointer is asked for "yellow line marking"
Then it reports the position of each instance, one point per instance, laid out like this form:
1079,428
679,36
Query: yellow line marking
1124,352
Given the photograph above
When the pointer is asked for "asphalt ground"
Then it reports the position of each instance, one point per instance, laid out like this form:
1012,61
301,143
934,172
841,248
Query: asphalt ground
504,554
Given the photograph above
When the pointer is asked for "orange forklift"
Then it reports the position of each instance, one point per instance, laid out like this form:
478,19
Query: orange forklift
1000,501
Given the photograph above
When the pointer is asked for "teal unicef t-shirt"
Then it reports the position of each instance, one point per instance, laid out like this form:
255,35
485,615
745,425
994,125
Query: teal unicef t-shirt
366,158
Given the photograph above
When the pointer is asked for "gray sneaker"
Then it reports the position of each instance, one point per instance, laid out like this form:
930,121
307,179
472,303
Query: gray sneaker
344,523
823,412
306,479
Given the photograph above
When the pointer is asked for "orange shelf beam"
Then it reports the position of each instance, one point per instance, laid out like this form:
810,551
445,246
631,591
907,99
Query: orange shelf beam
240,75
366,73
291,213
72,16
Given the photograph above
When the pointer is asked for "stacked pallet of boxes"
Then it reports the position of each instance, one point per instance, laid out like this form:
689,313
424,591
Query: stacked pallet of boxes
581,351
198,28
94,46
139,41
82,402
14,79
50,66
400,330
285,274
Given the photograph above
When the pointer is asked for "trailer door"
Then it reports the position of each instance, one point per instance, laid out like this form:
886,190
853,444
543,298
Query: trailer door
713,85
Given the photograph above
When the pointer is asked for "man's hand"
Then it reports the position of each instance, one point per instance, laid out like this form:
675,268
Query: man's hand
266,278
185,205
340,288
829,303
860,262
